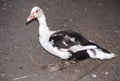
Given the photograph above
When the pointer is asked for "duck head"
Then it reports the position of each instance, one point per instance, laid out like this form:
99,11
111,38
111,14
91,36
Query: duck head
36,12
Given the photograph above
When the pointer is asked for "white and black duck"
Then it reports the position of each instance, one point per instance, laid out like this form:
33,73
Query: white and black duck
66,44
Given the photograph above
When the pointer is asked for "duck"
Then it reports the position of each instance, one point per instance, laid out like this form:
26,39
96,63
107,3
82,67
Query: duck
66,44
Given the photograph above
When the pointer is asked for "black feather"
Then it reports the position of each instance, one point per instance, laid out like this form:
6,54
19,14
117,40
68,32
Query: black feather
66,36
80,55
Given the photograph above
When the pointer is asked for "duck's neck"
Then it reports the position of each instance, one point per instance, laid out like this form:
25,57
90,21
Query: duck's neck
43,28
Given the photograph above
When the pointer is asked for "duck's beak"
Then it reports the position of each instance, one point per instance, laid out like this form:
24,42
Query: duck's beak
30,17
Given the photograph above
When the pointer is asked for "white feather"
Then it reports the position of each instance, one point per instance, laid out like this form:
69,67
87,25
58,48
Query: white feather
76,48
99,54
64,43
63,54
44,41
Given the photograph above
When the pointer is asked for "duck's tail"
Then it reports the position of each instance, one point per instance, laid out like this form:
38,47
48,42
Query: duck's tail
100,53
91,51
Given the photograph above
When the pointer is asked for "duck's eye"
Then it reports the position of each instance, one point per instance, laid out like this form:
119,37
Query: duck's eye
36,10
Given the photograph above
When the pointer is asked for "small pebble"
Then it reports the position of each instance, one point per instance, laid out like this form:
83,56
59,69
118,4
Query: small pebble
10,74
106,73
65,25
16,46
24,10
20,78
9,6
77,71
86,9
4,8
71,20
94,75
3,75
67,63
51,77
83,70
52,67
100,4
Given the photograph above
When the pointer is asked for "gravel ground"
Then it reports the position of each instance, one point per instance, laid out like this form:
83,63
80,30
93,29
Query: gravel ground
23,59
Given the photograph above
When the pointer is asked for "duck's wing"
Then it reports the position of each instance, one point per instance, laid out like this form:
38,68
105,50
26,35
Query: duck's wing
80,47
67,38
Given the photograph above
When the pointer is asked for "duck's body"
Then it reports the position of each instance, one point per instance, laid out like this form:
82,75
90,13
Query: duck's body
66,44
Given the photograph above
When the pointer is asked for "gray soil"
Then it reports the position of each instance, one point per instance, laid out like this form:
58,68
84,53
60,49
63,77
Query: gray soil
23,59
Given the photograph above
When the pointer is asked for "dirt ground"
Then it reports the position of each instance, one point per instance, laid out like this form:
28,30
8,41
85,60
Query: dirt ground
22,58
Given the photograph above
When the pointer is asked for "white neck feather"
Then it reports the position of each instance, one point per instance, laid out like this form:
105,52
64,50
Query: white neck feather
42,22
43,28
